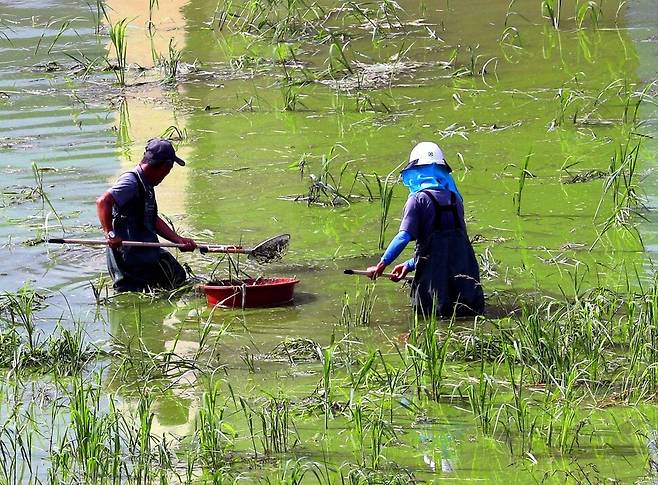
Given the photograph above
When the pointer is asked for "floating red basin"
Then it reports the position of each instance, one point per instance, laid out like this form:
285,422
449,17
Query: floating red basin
260,292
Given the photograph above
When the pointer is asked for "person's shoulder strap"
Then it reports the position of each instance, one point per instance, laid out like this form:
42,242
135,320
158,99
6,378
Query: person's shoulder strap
439,208
140,183
455,212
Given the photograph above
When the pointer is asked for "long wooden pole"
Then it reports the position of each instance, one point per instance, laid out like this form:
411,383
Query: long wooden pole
204,248
365,273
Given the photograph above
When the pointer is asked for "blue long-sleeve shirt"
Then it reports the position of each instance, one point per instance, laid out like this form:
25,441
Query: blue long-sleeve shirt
395,247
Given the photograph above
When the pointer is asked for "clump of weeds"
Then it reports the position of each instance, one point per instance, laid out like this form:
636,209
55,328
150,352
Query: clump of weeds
328,187
119,44
295,351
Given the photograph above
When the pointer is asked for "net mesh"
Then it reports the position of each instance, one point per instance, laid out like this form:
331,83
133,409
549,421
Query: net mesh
271,250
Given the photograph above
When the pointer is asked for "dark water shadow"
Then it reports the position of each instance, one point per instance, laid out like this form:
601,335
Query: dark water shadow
304,298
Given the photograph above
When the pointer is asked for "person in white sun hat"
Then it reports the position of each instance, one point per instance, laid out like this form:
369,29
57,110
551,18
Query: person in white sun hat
447,276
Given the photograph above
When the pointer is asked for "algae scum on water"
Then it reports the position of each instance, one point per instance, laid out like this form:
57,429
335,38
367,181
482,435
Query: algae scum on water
292,117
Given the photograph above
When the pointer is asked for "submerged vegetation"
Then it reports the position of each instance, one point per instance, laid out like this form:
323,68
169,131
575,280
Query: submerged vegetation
556,383
536,381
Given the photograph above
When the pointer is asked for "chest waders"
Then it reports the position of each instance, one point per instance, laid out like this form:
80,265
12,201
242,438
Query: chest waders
135,268
447,278
136,222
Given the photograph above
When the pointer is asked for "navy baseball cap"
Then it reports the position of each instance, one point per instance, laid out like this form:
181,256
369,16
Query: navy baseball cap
159,150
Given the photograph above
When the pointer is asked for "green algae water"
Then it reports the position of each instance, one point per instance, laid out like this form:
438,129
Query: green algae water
288,114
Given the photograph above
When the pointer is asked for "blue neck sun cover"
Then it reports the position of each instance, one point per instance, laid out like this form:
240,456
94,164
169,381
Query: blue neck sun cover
429,177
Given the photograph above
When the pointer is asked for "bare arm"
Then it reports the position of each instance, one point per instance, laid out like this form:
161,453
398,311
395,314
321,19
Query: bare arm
163,229
104,211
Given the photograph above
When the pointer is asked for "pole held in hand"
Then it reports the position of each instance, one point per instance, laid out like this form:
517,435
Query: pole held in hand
361,272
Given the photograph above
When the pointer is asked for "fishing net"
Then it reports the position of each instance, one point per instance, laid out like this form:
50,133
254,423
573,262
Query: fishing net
270,250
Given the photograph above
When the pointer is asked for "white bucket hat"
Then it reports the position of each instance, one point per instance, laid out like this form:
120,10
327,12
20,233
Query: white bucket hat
426,153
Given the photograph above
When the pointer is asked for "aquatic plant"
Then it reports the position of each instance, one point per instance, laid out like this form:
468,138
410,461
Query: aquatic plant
45,200
510,36
19,433
623,188
565,98
221,15
523,174
18,308
278,433
365,102
169,64
292,97
98,12
174,133
631,107
551,9
481,399
427,355
210,428
248,358
300,165
524,421
140,442
291,473
274,20
385,189
561,408
380,435
365,302
588,9
65,25
153,4
328,184
620,7
124,140
119,43
327,370
276,426
337,60
91,430
358,432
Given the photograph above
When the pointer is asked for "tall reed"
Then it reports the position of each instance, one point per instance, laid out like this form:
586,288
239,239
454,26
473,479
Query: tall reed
169,64
210,428
427,353
552,10
385,189
118,39
588,9
481,398
523,174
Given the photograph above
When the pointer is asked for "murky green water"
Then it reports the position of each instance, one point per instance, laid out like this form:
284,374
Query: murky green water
243,151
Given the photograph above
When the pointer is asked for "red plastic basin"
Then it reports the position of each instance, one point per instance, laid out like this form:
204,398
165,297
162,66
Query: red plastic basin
251,293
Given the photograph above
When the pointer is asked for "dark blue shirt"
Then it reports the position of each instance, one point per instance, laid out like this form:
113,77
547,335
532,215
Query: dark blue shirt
126,188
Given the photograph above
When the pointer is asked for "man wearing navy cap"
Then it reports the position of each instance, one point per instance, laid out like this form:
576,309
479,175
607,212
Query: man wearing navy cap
128,211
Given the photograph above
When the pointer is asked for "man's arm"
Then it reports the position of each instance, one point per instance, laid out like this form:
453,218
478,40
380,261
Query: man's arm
163,229
104,211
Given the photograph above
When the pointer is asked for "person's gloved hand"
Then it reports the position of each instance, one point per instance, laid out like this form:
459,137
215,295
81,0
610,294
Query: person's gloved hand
375,271
189,244
399,271
113,240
